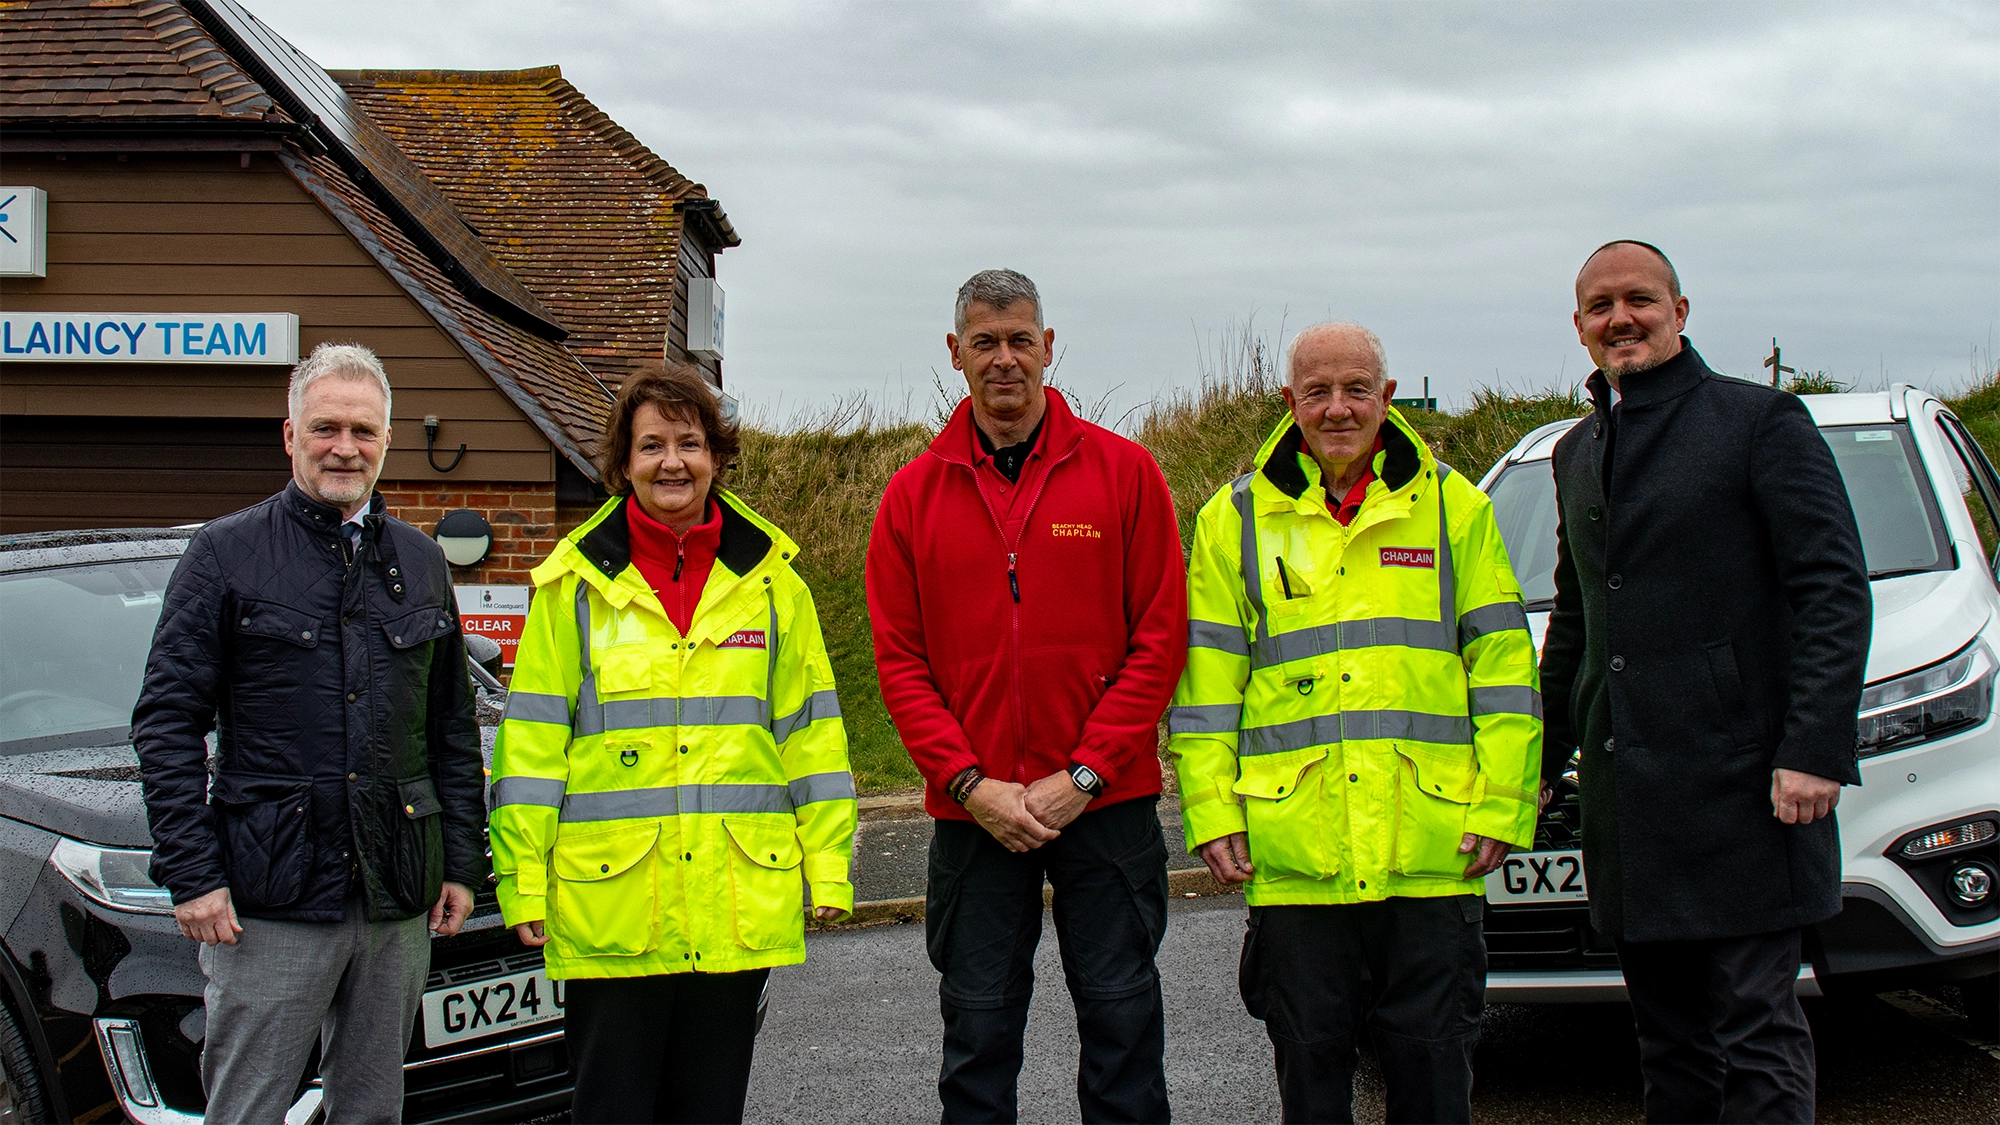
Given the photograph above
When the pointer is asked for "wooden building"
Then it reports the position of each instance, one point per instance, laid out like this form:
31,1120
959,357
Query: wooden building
195,164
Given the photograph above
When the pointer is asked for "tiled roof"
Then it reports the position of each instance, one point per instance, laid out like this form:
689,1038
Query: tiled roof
109,59
541,377
574,205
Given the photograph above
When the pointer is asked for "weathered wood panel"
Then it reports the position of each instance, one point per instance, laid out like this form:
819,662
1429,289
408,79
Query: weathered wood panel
66,472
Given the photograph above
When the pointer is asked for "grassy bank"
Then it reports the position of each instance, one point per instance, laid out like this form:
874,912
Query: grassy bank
821,484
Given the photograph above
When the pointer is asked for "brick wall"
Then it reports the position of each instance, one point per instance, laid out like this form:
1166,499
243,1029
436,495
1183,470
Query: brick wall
525,523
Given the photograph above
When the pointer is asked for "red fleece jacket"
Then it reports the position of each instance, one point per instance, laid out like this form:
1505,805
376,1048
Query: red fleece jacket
1078,665
676,566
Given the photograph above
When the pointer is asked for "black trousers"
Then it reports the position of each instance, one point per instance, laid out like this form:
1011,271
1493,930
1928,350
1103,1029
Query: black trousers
1721,1033
670,1048
983,919
1411,971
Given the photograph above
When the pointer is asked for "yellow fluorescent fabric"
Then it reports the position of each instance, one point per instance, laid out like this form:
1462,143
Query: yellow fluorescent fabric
1356,698
664,803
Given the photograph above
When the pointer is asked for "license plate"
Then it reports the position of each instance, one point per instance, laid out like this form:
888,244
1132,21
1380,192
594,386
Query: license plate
1538,877
479,1008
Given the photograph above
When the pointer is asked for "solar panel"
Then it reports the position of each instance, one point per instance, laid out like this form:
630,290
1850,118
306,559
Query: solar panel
305,91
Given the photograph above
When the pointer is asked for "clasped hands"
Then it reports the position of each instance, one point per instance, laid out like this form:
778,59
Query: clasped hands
1024,817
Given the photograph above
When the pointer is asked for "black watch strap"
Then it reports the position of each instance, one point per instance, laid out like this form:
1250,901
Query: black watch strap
1086,779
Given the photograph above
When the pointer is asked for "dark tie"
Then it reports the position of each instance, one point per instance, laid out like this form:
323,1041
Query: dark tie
353,533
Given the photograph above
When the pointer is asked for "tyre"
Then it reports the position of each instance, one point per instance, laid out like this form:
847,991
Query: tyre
22,1099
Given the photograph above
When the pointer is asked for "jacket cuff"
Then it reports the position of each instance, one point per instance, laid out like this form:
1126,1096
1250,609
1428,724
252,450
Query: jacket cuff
1098,763
838,895
1820,761
1212,820
1504,819
953,766
516,907
180,896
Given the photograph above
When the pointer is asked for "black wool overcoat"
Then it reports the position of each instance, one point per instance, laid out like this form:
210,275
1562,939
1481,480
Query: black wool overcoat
1711,624
343,711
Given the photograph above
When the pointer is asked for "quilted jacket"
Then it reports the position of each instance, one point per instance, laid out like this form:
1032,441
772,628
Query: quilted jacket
343,712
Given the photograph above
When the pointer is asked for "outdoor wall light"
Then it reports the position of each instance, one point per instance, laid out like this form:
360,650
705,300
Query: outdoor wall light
465,536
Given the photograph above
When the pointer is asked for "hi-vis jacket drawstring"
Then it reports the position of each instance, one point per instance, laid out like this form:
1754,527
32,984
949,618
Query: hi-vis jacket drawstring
659,800
1356,698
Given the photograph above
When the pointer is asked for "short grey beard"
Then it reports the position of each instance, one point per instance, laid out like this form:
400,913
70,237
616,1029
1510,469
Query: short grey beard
331,494
1639,368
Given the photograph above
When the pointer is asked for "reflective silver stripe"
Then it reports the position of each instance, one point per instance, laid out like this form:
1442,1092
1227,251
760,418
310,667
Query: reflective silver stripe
771,659
1368,632
587,688
675,800
1253,582
822,787
1496,618
534,707
1205,718
1215,634
1447,578
819,705
1507,699
1320,730
593,717
528,791
583,623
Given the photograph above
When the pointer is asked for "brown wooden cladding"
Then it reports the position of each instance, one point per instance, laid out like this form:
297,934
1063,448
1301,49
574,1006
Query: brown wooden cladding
199,233
695,261
68,472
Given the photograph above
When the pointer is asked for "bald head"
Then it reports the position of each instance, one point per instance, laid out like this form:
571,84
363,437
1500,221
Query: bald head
1633,250
1629,309
1335,340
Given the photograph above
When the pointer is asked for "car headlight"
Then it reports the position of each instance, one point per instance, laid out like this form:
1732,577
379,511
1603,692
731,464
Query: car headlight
1930,702
113,877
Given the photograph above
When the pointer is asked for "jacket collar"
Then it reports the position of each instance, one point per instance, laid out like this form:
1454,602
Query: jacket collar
958,442
601,549
1403,456
324,518
1670,380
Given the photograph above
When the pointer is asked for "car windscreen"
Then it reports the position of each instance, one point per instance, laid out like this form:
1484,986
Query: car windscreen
75,647
1901,531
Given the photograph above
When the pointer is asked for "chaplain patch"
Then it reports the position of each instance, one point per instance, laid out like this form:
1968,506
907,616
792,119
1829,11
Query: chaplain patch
744,638
1424,557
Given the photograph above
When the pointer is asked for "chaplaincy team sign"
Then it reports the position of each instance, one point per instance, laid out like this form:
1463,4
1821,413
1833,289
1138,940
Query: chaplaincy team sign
149,337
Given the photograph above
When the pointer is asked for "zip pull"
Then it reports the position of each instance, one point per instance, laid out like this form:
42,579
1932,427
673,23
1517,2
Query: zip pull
1013,581
680,559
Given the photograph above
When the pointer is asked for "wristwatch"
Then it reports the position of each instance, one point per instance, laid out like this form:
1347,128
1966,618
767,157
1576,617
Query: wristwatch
1086,779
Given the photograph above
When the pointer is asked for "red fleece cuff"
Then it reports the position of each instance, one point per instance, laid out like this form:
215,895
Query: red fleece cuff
953,766
1098,763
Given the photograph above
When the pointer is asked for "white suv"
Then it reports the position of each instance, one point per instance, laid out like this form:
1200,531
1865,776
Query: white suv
1918,837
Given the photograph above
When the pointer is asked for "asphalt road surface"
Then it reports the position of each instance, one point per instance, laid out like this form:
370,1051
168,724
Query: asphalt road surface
852,1036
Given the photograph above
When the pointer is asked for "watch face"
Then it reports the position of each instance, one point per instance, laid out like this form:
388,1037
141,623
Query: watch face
1086,778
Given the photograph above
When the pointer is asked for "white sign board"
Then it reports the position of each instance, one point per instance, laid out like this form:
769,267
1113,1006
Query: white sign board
496,612
705,317
149,337
24,232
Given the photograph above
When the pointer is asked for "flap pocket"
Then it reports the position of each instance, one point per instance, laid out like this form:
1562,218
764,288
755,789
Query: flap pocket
416,627
1454,781
279,622
259,789
624,668
586,857
766,844
1275,776
419,797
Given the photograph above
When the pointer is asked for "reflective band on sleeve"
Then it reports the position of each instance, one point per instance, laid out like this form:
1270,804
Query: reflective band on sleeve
1253,581
1205,718
528,791
1369,632
1496,618
1507,699
583,624
1447,578
819,705
822,787
1215,634
676,800
1353,726
534,707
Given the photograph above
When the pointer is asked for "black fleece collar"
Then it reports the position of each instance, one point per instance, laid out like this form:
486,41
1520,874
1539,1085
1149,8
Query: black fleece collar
1399,461
608,546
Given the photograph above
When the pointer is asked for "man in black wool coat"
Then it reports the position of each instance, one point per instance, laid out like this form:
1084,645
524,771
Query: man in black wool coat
1706,656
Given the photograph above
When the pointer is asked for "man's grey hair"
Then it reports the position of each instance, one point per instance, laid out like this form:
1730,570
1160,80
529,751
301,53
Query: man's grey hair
996,289
1338,328
351,361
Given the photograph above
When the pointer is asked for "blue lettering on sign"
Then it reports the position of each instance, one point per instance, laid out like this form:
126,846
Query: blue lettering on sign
166,328
76,339
191,338
133,334
7,339
37,338
102,347
245,342
218,341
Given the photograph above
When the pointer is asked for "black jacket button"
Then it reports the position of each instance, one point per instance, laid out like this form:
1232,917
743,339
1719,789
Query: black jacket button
1595,512
1617,664
1615,581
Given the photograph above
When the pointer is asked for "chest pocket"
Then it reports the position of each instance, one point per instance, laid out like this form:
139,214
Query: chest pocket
416,627
277,622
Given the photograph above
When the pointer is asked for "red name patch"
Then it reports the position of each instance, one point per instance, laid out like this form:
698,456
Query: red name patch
744,638
1410,556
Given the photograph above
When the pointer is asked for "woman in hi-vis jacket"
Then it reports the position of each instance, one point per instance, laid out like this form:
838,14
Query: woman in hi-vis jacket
672,772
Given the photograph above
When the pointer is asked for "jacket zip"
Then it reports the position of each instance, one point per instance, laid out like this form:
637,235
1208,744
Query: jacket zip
1014,588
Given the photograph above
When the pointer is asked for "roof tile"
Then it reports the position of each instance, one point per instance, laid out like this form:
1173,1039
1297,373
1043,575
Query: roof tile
82,44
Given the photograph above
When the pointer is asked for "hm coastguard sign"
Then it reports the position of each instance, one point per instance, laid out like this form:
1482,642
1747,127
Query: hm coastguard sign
149,338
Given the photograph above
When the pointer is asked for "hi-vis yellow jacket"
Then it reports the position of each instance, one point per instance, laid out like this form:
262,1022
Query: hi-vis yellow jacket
1356,698
658,800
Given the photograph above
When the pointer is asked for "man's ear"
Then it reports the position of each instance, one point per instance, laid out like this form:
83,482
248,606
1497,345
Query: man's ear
1388,389
290,437
951,345
1680,312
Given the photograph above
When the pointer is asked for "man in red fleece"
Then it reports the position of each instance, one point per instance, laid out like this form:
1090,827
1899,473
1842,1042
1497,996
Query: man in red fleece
1029,603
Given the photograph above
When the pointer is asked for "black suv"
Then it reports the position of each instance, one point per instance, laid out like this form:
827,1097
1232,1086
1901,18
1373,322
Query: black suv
100,996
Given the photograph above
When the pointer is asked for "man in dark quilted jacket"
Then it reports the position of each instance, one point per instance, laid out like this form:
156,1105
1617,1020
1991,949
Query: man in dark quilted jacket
342,807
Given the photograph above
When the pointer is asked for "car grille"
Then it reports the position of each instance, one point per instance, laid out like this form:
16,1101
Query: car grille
503,1070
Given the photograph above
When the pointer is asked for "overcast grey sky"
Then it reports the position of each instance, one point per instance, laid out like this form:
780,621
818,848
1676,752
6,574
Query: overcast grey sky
1825,173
